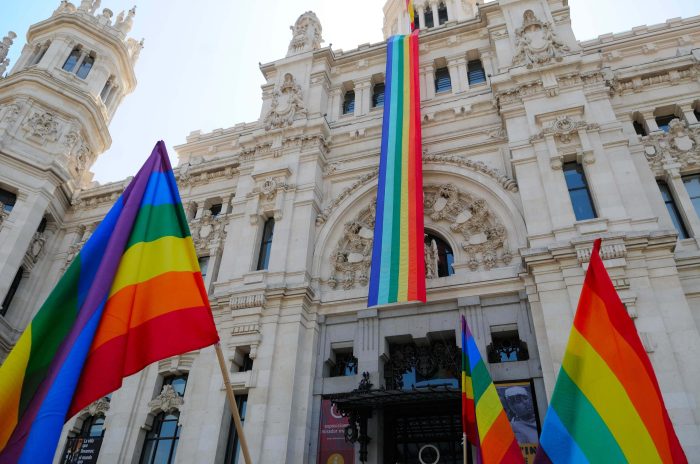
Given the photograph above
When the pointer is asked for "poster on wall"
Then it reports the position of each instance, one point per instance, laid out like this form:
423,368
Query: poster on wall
332,448
518,400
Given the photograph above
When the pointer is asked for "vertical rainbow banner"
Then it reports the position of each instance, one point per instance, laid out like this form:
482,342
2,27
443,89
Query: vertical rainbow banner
484,422
398,259
411,14
606,405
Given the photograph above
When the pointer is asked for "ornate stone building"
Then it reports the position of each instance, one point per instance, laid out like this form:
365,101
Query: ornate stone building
535,143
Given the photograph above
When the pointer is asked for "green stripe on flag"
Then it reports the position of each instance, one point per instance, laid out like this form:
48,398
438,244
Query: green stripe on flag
154,222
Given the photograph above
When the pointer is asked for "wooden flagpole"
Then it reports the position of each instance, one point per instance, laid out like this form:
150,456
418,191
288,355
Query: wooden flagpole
465,447
232,404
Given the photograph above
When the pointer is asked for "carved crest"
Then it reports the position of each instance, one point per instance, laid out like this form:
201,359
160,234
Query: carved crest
679,146
287,103
208,231
43,126
306,34
536,42
168,400
97,408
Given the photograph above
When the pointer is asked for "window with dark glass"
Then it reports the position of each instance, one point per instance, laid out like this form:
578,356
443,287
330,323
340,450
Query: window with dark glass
233,447
578,191
215,209
345,363
506,345
203,265
429,364
692,185
442,13
445,257
416,20
72,59
475,72
428,15
86,445
696,111
639,128
42,225
378,95
178,382
161,441
349,102
673,211
664,121
14,286
442,80
85,67
8,200
242,362
266,244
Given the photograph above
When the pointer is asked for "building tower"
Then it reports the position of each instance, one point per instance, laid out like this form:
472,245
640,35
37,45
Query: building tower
55,108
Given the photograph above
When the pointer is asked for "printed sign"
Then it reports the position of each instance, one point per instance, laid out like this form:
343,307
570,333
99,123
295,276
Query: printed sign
519,403
333,449
81,450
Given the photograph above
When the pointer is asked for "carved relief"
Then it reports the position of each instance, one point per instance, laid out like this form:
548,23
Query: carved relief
3,214
563,128
536,42
680,145
43,126
11,113
485,238
36,246
167,401
208,231
97,408
6,44
306,34
287,103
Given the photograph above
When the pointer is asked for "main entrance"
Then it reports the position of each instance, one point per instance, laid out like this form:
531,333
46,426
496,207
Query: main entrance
427,433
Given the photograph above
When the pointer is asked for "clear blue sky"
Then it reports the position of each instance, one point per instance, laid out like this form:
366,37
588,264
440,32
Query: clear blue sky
199,67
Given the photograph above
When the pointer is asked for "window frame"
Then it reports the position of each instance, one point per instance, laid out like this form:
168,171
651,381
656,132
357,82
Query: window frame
155,436
348,105
578,168
266,238
477,73
442,72
673,210
232,443
8,199
12,291
376,96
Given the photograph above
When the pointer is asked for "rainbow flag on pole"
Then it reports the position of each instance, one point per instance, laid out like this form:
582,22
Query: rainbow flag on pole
134,295
411,13
606,405
398,260
484,422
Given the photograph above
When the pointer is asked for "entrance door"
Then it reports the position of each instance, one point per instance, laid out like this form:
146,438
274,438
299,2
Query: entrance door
426,433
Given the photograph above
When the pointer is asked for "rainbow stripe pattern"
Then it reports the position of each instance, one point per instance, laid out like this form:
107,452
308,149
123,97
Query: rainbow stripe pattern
411,13
398,259
132,296
484,421
606,405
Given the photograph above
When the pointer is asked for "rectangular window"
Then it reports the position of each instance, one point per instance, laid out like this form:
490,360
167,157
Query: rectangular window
8,200
242,362
233,448
442,80
428,15
416,20
14,286
506,345
696,111
378,95
203,265
442,14
639,128
475,72
664,121
673,210
266,244
345,363
72,60
692,185
578,191
349,102
85,67
160,445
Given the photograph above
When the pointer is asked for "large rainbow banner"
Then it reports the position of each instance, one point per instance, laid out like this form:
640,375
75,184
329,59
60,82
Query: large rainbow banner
398,259
606,405
132,296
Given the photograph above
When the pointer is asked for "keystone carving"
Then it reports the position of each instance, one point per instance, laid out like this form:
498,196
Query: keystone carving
306,34
208,231
168,400
563,128
679,146
536,42
97,408
287,104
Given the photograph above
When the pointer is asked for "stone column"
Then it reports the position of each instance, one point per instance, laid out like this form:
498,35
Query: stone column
335,96
455,65
651,121
427,78
56,54
556,192
689,114
434,8
363,96
421,17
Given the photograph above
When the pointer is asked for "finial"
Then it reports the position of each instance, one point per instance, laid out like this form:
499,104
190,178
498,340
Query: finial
6,44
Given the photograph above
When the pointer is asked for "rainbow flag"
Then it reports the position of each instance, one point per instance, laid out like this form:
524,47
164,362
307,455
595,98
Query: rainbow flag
606,405
484,422
411,14
398,260
134,295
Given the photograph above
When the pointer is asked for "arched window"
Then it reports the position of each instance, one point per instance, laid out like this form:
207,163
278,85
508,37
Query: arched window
442,13
428,18
438,257
86,66
349,102
266,244
93,426
161,441
72,60
416,20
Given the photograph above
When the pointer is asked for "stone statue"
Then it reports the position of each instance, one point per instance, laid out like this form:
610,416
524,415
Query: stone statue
6,44
287,103
306,34
536,42
124,24
3,66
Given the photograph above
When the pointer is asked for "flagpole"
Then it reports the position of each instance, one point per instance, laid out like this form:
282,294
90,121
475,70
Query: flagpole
232,404
464,448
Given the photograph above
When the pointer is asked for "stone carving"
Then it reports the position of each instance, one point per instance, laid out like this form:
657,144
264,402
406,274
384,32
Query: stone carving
431,260
134,47
485,238
36,246
287,103
536,42
563,128
3,66
248,301
3,214
607,251
168,400
506,182
679,146
306,34
363,180
99,407
208,231
11,113
6,44
124,24
43,126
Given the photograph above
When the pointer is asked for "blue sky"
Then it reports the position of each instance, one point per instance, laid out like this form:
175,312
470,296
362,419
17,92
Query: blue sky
199,67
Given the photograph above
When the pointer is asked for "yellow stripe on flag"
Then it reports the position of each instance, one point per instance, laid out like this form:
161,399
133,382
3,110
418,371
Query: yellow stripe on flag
11,379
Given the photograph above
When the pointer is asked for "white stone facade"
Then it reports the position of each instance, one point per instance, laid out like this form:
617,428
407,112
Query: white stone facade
495,154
